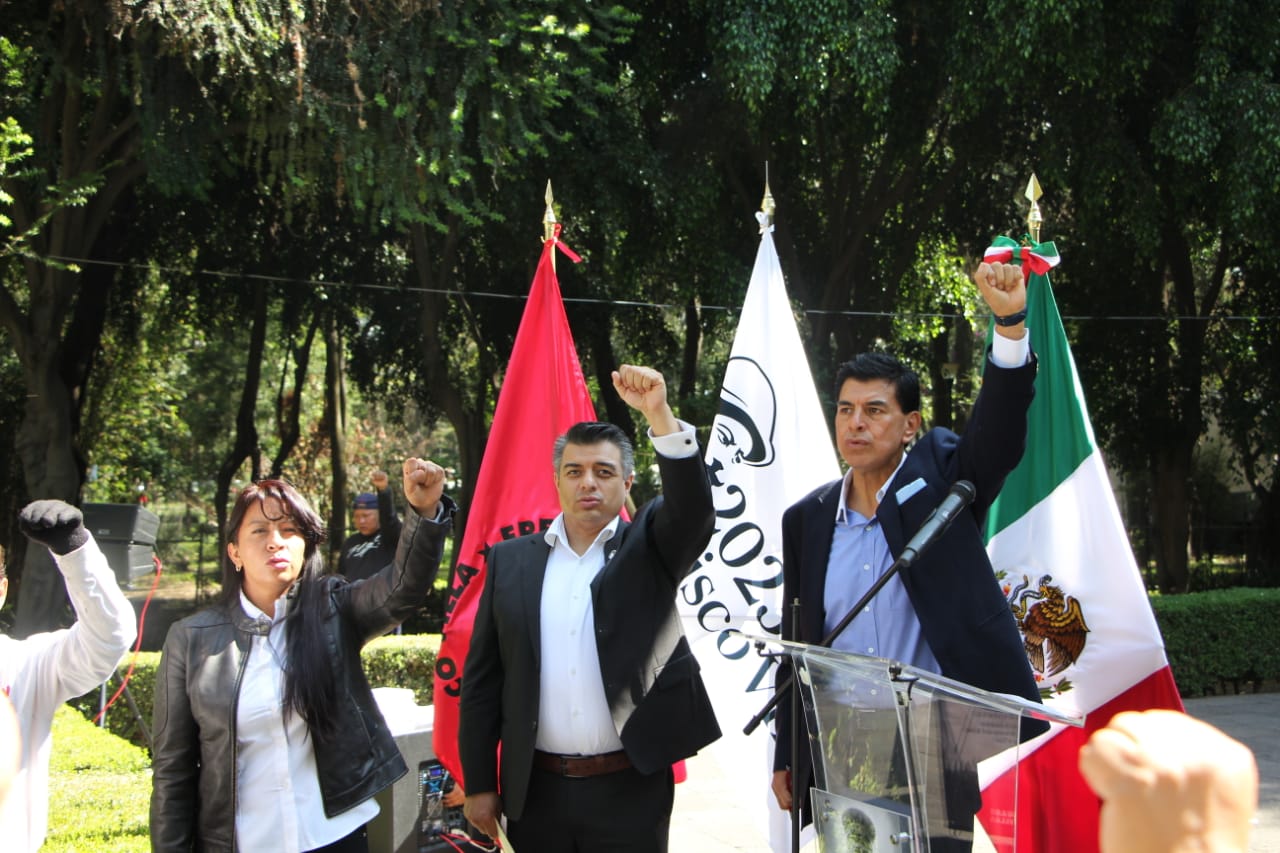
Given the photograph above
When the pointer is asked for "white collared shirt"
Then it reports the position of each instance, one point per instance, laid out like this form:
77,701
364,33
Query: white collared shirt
573,714
278,801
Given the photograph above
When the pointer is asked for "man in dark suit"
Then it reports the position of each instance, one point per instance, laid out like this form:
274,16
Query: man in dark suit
578,665
947,613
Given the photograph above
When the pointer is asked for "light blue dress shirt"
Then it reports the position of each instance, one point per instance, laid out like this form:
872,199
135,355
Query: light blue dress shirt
886,627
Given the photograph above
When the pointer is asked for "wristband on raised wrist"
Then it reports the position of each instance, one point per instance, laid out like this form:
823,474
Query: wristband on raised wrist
1011,319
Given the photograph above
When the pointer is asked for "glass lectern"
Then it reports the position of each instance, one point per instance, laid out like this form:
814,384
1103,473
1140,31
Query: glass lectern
898,752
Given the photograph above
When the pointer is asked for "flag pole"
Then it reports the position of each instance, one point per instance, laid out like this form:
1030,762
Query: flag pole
768,207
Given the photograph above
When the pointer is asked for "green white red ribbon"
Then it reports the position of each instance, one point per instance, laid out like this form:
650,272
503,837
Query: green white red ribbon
1033,257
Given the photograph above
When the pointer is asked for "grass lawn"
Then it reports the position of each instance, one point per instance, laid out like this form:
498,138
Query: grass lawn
99,790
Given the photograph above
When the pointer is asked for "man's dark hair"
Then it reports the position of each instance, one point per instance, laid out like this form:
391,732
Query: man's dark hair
594,432
870,366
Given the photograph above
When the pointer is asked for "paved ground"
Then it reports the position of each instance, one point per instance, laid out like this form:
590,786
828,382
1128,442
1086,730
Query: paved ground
706,821
1253,719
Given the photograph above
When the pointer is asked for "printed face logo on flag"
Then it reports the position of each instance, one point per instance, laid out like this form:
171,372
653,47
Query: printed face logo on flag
740,451
743,430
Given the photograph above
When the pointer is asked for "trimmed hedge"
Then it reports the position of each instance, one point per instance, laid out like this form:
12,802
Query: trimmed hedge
99,790
1221,641
407,660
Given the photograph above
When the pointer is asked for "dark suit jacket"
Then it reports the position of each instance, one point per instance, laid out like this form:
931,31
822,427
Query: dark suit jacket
656,695
962,610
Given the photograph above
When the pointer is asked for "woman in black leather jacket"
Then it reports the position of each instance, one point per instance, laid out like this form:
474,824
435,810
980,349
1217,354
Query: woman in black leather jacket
267,736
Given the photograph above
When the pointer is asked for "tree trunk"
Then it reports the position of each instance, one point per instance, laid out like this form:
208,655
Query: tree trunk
615,410
692,349
1175,440
289,402
963,356
468,422
941,378
50,471
90,134
335,418
1171,476
1262,558
246,441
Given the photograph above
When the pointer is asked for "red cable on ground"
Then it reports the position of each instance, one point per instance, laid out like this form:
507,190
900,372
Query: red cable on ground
142,621
472,844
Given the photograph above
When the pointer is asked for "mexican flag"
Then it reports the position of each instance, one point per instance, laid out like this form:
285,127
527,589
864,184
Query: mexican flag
1059,547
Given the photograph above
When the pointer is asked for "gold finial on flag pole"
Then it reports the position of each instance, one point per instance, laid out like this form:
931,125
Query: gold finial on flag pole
549,221
1034,219
549,216
767,205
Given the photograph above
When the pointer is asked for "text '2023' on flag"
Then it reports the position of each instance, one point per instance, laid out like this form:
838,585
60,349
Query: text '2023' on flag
769,447
543,394
1059,547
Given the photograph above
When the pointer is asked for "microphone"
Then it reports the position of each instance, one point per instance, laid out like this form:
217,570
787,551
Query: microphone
961,495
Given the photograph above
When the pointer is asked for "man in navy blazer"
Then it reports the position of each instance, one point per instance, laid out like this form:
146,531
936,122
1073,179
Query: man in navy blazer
946,613
578,665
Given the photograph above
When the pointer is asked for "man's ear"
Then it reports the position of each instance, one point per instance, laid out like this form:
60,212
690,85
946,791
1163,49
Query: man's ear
4,589
631,478
914,420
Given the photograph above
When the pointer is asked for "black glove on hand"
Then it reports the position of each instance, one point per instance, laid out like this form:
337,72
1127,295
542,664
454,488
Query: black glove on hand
56,525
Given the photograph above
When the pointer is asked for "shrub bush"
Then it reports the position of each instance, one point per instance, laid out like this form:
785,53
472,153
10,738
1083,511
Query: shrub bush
1221,641
407,660
99,790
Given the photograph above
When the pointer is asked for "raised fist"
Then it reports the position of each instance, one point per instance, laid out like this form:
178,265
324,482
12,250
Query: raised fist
55,524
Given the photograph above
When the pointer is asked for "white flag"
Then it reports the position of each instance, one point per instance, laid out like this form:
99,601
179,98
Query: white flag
769,447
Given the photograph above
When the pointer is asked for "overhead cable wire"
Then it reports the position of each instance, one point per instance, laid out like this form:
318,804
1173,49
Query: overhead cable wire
624,303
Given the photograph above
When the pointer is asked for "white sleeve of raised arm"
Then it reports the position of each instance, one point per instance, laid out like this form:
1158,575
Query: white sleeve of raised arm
1011,352
676,445
105,624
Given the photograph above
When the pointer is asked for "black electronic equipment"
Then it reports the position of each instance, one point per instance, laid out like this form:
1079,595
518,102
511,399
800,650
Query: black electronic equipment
435,819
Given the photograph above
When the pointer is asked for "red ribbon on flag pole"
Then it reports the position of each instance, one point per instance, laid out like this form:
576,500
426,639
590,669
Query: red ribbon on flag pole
568,253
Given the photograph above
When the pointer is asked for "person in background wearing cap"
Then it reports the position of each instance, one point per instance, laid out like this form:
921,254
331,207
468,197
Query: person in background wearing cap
373,546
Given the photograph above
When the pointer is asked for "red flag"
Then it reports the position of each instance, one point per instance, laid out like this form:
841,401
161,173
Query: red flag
543,394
